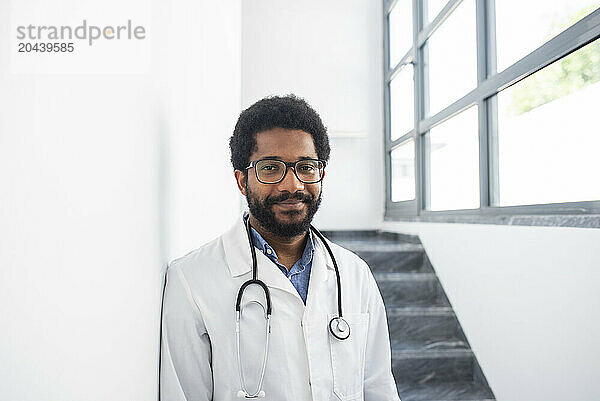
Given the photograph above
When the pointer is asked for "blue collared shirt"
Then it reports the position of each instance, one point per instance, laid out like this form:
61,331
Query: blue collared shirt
299,274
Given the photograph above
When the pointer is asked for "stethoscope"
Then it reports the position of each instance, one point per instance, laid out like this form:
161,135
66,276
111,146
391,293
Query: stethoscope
338,326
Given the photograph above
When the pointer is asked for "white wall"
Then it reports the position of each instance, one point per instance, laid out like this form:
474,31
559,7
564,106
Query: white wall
203,103
79,238
527,299
329,53
100,180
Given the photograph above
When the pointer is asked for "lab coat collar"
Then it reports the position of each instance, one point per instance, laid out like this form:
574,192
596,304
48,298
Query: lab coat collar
239,259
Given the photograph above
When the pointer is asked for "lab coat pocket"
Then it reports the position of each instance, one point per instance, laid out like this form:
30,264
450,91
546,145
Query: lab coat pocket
348,357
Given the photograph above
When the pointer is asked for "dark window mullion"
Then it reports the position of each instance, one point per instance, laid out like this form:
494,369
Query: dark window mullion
491,108
386,102
482,74
419,107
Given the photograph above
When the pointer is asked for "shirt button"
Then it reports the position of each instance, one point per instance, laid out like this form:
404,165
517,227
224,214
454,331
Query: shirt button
269,251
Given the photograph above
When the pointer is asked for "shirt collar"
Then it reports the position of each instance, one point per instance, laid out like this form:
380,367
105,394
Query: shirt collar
264,246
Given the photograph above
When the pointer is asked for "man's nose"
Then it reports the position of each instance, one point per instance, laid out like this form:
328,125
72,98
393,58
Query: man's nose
290,182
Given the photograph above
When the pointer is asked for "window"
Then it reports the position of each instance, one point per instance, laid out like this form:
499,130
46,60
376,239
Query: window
402,115
400,23
544,157
522,26
452,62
453,162
434,7
403,172
491,108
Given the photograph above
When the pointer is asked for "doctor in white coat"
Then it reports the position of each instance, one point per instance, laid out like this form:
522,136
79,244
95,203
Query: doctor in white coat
304,361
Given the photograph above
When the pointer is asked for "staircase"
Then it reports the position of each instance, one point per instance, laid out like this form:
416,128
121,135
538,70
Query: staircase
431,357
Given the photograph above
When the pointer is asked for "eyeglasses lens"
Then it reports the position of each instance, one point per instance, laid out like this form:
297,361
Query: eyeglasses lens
272,171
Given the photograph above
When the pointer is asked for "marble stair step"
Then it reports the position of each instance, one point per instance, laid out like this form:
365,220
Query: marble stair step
420,311
431,350
422,323
408,260
380,246
432,365
410,289
445,391
412,347
384,252
371,236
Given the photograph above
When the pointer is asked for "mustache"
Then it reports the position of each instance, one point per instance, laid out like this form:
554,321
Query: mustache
299,196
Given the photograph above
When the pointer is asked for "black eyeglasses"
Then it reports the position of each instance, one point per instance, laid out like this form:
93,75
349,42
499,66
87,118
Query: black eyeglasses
269,171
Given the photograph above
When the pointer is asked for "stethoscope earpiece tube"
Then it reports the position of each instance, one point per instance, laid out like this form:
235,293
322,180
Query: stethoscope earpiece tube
255,279
337,271
243,393
241,292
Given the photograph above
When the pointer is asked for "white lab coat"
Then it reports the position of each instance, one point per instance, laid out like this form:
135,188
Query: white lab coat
305,362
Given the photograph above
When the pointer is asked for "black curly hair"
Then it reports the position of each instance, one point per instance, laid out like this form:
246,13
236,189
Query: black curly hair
289,112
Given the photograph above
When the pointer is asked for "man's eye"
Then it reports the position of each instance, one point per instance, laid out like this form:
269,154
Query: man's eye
270,167
307,167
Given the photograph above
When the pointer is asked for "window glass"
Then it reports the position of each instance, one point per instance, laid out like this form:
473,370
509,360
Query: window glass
403,172
523,26
402,118
548,136
452,58
401,31
453,150
434,7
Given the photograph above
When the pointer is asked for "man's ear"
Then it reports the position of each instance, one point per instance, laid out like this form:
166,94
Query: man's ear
240,178
321,182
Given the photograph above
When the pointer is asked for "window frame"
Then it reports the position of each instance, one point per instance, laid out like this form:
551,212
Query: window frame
489,83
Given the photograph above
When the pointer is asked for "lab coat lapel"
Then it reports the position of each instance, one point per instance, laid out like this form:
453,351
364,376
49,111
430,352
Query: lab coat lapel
322,272
273,277
239,260
237,249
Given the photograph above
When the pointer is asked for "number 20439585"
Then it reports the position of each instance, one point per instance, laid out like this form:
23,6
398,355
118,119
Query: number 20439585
25,47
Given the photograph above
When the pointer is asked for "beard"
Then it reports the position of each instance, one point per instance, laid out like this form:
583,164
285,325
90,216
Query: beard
261,210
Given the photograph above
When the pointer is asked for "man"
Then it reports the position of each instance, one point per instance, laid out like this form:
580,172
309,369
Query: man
279,149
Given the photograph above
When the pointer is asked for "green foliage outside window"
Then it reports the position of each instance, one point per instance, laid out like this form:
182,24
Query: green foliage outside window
567,75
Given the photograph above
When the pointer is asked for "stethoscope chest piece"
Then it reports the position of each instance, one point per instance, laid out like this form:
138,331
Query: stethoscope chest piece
339,328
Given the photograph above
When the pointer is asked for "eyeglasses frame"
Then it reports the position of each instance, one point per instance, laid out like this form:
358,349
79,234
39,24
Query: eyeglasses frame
287,166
